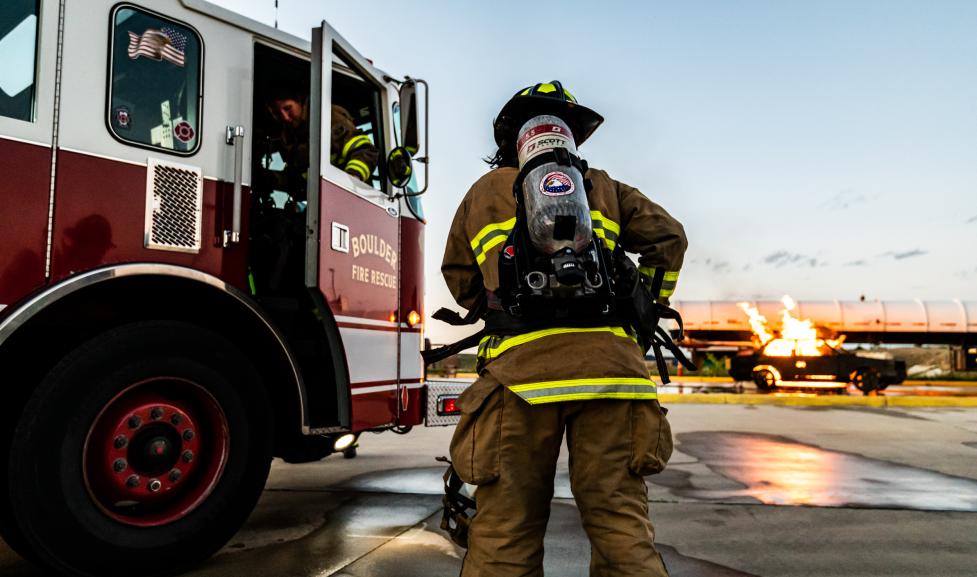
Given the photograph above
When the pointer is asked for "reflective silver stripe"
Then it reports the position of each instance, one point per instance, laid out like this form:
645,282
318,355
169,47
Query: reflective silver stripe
492,346
589,393
583,389
605,228
670,279
489,237
487,243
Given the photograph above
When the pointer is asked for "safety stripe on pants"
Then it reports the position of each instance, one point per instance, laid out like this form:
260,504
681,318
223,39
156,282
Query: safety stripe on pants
585,389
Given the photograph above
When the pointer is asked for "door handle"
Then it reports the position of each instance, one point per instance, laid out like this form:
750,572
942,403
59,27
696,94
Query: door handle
235,138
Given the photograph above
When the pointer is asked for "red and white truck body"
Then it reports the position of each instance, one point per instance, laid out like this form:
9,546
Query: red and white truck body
132,136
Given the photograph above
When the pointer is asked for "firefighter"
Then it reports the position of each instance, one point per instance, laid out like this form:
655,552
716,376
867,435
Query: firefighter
586,381
350,149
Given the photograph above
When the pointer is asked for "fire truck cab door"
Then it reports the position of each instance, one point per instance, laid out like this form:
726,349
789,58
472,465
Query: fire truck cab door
353,250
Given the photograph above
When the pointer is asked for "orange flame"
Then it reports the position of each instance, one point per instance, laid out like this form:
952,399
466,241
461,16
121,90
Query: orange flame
797,337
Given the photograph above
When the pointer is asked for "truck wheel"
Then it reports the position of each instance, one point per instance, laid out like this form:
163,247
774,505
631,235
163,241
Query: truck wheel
765,379
866,380
143,451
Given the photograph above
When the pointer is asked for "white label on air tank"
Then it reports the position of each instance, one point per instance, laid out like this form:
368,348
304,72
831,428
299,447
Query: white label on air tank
540,139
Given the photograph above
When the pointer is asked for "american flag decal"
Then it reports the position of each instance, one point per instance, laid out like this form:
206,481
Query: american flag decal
162,44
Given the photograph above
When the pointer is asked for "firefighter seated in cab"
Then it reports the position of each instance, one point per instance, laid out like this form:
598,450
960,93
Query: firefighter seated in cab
350,149
279,228
537,249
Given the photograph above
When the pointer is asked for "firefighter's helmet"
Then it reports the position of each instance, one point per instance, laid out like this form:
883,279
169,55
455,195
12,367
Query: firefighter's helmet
545,98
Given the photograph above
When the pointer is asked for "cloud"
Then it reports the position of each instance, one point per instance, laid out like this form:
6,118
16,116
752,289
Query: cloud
972,219
783,258
845,199
859,262
908,254
966,274
718,266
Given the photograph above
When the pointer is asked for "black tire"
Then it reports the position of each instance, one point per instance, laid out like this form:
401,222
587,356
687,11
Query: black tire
56,511
866,380
350,453
9,531
764,379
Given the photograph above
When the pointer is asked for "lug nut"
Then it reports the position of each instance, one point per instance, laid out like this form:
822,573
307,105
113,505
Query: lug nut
155,485
187,456
175,475
120,442
188,435
133,481
120,465
176,419
135,422
156,414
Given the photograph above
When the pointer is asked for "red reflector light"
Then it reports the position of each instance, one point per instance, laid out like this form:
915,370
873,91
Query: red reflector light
448,406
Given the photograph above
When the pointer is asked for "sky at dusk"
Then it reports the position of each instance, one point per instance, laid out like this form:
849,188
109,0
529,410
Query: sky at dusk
823,149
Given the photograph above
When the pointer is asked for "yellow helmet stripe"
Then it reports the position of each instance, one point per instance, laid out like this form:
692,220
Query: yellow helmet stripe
546,88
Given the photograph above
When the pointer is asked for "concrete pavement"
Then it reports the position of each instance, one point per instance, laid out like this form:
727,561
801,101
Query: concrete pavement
751,490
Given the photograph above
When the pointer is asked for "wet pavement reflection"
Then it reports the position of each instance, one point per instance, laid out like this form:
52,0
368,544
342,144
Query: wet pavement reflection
776,470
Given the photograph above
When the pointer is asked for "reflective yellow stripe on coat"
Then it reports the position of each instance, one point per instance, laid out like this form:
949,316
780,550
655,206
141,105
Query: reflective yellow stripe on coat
360,168
492,346
568,390
670,280
605,228
353,144
496,233
491,236
586,389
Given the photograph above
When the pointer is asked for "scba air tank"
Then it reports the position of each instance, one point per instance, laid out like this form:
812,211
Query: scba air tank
557,212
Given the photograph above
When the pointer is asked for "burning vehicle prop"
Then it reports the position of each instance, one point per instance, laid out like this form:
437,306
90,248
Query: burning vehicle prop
799,356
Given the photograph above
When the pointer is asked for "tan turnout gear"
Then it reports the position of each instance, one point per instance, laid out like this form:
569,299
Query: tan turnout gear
509,448
562,363
587,382
350,149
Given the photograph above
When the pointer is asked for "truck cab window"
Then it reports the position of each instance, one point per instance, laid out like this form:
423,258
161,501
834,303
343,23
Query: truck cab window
18,47
154,87
357,142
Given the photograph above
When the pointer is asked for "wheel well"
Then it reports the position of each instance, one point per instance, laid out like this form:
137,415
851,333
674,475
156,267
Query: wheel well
30,352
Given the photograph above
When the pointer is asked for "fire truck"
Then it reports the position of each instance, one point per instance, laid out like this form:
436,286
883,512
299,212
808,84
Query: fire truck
188,289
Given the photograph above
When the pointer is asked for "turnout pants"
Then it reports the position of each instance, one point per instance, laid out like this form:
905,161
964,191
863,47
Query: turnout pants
509,449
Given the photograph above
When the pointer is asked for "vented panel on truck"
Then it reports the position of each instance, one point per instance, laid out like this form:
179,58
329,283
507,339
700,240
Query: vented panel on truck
174,203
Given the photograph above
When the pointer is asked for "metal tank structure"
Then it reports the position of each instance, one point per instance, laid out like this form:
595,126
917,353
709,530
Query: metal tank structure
919,322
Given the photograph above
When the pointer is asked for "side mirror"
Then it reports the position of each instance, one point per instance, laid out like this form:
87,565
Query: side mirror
408,115
412,141
400,167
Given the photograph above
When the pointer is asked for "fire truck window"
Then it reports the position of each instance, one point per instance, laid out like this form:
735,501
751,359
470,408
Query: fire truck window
360,99
18,46
155,93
